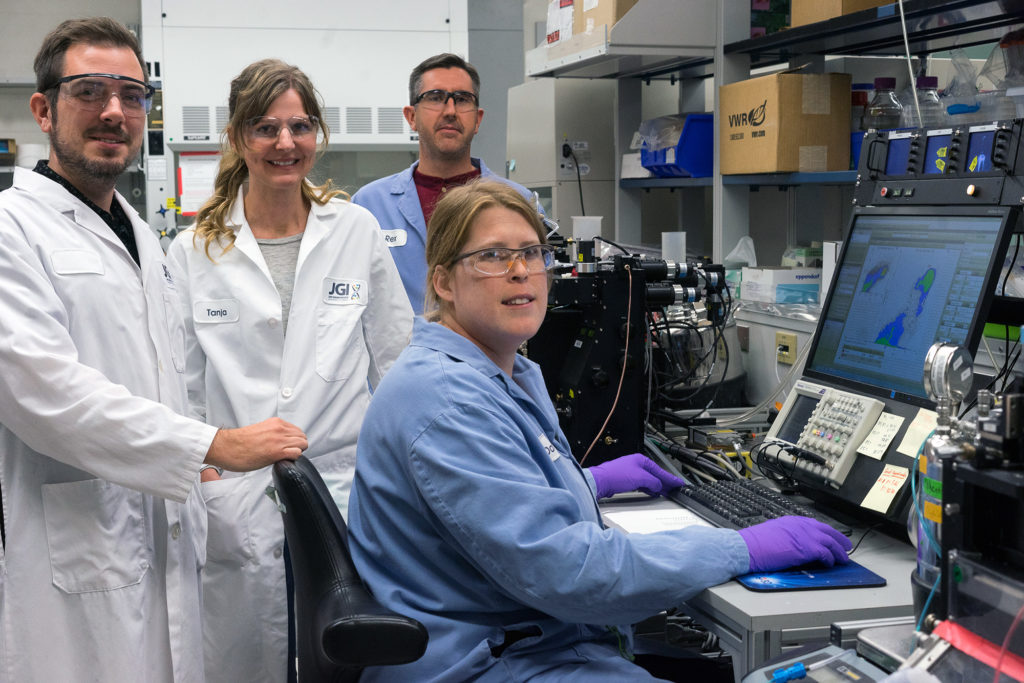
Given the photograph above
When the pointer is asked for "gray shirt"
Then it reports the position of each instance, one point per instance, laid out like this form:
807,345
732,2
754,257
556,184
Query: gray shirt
281,255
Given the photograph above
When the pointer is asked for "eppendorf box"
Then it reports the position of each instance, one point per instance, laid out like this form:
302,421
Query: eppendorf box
785,122
782,285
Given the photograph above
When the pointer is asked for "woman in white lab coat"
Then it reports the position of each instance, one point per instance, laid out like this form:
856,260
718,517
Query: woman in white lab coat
293,307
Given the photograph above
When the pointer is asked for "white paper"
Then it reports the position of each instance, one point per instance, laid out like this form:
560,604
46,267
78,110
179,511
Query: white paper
917,432
196,175
156,168
881,436
650,521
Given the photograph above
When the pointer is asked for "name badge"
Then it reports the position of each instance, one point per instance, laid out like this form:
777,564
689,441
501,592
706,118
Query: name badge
342,292
395,238
549,448
215,311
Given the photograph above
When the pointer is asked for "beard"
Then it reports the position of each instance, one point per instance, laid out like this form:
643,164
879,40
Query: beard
74,161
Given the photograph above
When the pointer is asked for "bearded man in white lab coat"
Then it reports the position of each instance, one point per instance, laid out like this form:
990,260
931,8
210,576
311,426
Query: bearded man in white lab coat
103,528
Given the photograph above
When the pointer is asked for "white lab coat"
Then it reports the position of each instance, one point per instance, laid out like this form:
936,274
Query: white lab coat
348,322
99,572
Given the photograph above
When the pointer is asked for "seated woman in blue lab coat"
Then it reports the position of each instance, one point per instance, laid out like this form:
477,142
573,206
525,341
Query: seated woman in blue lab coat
468,511
293,307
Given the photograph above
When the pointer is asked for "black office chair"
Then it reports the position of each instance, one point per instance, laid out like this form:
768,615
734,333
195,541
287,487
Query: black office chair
339,626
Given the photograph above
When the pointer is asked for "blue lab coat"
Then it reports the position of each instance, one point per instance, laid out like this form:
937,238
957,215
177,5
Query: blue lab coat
469,513
395,204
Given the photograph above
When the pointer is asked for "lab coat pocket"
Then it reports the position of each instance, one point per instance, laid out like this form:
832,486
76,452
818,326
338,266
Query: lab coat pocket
228,537
96,534
339,341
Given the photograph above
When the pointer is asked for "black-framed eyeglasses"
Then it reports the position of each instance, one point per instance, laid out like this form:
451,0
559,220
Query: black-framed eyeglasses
92,92
496,261
269,127
437,99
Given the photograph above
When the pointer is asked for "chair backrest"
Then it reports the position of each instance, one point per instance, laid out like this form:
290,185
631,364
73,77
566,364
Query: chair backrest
339,626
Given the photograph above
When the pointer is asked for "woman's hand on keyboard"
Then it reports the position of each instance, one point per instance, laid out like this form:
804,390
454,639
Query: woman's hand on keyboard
790,541
635,472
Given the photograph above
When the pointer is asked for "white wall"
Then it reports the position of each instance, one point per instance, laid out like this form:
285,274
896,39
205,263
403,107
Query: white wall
22,28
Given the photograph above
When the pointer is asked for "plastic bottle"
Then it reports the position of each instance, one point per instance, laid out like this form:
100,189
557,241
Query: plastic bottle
884,110
933,114
860,95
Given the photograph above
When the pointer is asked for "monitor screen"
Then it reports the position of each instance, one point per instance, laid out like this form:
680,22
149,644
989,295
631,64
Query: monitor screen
937,153
981,142
907,278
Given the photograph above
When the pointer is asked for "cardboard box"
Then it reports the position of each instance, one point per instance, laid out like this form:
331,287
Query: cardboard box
785,122
802,257
812,11
593,15
560,18
782,285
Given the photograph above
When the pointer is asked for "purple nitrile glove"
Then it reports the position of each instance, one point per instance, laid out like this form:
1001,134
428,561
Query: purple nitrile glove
632,473
790,541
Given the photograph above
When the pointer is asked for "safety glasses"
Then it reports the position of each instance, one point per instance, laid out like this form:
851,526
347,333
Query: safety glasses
92,92
496,261
269,127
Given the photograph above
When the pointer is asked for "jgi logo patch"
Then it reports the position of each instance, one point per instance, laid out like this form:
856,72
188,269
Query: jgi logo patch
340,292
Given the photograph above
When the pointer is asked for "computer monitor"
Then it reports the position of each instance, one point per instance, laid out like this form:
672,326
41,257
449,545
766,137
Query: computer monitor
907,277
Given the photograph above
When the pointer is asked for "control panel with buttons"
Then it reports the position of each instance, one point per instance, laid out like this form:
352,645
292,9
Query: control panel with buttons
820,429
966,163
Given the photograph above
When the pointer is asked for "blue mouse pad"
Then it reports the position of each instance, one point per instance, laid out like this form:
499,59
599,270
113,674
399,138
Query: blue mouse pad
813,577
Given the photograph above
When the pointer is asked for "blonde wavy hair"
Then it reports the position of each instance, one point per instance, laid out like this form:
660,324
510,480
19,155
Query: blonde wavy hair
252,93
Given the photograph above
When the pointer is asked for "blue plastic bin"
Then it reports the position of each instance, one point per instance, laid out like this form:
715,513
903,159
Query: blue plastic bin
856,142
692,154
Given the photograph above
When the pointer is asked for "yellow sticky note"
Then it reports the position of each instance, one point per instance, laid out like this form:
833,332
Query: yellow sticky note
881,435
923,425
932,512
888,484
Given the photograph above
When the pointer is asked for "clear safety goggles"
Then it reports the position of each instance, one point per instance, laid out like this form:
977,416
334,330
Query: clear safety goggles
269,127
496,261
92,92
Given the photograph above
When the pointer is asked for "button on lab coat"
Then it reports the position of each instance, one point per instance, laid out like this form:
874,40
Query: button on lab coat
349,320
99,571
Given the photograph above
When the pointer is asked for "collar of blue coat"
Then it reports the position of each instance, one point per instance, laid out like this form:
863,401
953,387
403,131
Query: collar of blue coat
439,338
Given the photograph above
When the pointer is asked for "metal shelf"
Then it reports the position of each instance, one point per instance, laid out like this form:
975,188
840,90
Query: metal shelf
825,178
649,183
755,179
675,38
654,39
932,25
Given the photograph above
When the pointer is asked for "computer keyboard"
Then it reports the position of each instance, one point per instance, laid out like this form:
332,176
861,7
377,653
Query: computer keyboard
737,504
